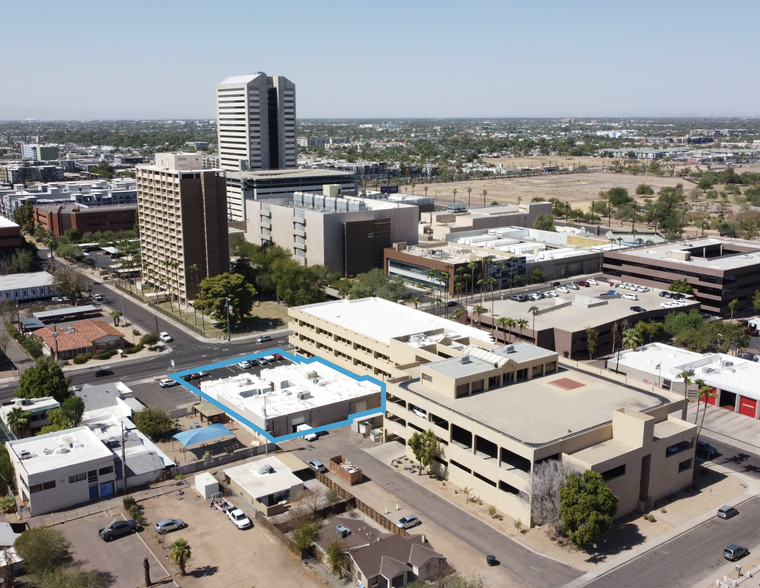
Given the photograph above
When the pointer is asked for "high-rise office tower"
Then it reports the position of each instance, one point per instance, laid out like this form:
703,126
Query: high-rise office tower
184,234
256,128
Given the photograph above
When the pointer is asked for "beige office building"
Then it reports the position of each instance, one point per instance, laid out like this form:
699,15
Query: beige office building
182,212
499,410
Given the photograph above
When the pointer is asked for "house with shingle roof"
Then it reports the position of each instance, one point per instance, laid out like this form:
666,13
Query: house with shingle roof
87,336
383,559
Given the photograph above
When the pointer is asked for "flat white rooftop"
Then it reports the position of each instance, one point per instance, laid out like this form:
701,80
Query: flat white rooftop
30,280
647,357
287,389
58,450
731,260
275,478
382,320
7,224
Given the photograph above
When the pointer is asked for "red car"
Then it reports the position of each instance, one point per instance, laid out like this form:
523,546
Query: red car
586,284
278,357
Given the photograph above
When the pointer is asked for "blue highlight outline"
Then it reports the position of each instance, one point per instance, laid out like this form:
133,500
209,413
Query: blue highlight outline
177,377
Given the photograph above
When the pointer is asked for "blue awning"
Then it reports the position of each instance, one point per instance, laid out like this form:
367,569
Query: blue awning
202,435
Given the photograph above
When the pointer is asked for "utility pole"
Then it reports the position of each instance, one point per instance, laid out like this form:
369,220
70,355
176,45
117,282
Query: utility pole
123,458
229,336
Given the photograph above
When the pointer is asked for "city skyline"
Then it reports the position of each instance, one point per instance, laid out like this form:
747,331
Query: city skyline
448,60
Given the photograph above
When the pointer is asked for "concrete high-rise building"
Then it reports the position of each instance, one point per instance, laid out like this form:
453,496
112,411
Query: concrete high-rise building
184,235
256,128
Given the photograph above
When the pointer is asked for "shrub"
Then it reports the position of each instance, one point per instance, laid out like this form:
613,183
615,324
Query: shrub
492,511
7,504
82,358
128,502
136,349
652,519
105,354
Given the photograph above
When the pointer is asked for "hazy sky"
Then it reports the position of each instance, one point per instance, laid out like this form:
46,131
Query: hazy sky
384,59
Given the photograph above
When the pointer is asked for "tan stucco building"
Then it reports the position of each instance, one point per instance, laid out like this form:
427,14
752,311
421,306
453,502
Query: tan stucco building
500,410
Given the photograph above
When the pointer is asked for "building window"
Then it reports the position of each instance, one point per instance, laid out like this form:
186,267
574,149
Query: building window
614,473
35,488
551,367
105,471
477,386
427,378
48,485
684,465
77,478
463,390
92,476
538,370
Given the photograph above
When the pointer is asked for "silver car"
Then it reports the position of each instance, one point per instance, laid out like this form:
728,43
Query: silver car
169,525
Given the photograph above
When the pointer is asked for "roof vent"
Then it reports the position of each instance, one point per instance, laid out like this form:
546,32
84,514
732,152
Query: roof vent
509,349
465,359
24,454
264,470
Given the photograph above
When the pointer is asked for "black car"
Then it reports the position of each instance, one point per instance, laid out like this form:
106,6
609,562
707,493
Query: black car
664,294
101,373
555,284
117,529
452,303
638,309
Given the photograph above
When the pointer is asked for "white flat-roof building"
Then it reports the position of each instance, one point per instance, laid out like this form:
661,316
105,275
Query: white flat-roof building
732,379
265,482
284,397
37,409
62,469
31,286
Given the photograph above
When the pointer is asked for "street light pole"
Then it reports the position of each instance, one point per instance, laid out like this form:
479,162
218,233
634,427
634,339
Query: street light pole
229,336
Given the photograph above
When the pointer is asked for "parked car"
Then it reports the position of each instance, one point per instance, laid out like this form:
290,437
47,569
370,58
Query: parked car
165,337
168,383
630,297
672,449
245,365
316,465
664,294
584,283
263,339
515,297
451,303
638,309
408,522
263,361
60,299
169,525
278,357
117,529
239,518
704,448
727,512
734,552
593,282
98,297
101,373
563,289
573,286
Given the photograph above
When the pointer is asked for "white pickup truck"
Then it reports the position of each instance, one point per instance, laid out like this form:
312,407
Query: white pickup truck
237,516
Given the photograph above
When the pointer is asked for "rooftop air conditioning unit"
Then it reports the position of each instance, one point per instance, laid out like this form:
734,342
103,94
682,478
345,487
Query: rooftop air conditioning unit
509,349
465,359
267,469
24,454
303,395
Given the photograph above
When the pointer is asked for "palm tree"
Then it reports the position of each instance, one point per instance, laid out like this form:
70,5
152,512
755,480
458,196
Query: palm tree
469,197
180,553
502,322
631,339
439,304
686,375
733,306
18,420
115,314
478,310
455,194
194,268
472,265
522,323
457,313
705,393
484,196
511,323
415,300
426,189
534,311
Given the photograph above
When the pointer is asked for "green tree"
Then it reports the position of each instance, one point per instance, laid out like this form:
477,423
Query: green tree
18,420
297,285
733,306
115,315
415,300
68,282
592,338
675,322
681,286
537,276
618,196
478,310
587,507
180,554
377,283
544,222
24,217
42,549
686,375
154,422
69,252
756,301
533,310
337,557
73,409
211,298
631,339
44,378
303,535
644,190
22,262
425,448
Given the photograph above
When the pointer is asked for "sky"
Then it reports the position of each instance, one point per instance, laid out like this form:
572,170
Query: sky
385,59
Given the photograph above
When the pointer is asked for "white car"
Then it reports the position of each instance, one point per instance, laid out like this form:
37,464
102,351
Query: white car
168,383
574,286
165,337
239,518
563,290
630,297
592,282
245,365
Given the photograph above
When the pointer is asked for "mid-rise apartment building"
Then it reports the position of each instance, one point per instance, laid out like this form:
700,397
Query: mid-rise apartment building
39,152
500,410
256,127
59,218
182,210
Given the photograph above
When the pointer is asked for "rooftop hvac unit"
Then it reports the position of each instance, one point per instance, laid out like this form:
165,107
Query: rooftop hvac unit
465,359
303,395
311,375
24,454
267,469
509,349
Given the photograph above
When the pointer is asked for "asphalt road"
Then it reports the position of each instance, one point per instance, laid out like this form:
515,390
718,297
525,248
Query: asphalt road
734,458
690,557
528,567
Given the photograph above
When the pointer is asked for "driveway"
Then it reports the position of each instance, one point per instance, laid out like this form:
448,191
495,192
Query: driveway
122,557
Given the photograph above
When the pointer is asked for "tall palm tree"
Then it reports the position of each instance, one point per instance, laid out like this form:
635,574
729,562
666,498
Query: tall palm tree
426,190
686,375
484,196
522,323
478,310
180,553
472,265
415,300
18,420
438,304
502,322
700,383
456,314
469,197
534,311
705,393
455,194
511,323
194,268
631,339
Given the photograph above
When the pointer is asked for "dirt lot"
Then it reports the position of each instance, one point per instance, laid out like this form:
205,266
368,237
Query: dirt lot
222,556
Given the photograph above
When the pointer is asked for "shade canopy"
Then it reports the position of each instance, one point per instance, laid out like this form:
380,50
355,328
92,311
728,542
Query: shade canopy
202,435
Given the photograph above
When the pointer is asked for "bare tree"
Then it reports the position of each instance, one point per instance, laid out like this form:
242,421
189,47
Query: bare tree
548,477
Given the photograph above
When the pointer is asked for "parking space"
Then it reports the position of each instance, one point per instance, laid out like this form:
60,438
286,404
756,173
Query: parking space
222,555
122,557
